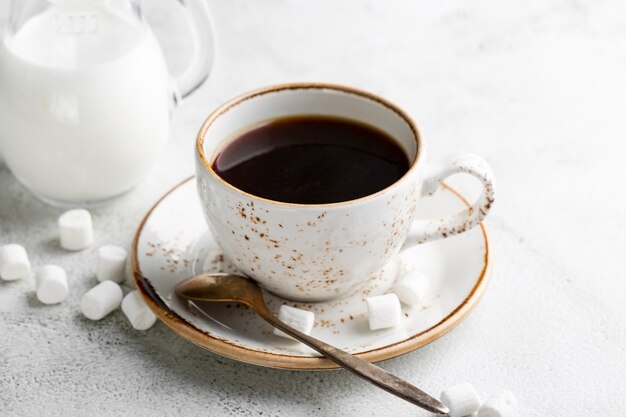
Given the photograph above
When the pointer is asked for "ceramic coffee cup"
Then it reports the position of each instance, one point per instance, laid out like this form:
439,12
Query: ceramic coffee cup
314,252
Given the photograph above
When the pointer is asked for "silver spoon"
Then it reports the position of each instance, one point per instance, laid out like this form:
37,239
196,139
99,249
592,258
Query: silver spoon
235,288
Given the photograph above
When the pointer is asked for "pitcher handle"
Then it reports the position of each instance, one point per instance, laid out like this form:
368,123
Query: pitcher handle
204,45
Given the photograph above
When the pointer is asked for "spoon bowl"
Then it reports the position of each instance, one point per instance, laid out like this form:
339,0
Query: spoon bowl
221,287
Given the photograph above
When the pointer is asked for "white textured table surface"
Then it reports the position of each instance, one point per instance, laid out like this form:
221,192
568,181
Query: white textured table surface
536,87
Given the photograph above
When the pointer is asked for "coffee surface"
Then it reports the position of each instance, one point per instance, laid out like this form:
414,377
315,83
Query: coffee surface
312,160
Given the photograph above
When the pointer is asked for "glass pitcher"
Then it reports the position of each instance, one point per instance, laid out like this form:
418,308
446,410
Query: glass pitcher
86,96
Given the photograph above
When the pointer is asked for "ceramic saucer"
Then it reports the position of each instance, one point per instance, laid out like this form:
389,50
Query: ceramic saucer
172,243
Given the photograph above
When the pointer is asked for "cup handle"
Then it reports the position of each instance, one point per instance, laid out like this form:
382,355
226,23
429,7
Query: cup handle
204,45
432,229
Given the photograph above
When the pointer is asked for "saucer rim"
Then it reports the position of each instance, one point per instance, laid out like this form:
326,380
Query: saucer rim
293,362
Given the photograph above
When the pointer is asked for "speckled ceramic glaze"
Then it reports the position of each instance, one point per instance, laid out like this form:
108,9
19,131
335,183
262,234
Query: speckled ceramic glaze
322,251
172,244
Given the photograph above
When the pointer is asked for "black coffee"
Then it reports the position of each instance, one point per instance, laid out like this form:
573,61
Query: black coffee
312,160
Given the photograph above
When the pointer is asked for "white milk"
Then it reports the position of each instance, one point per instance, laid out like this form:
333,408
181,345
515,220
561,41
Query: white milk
83,116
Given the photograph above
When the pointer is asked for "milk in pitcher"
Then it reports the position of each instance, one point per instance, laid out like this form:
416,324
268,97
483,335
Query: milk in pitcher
84,104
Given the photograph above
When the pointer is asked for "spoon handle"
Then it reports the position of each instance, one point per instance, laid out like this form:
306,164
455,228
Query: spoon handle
359,367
